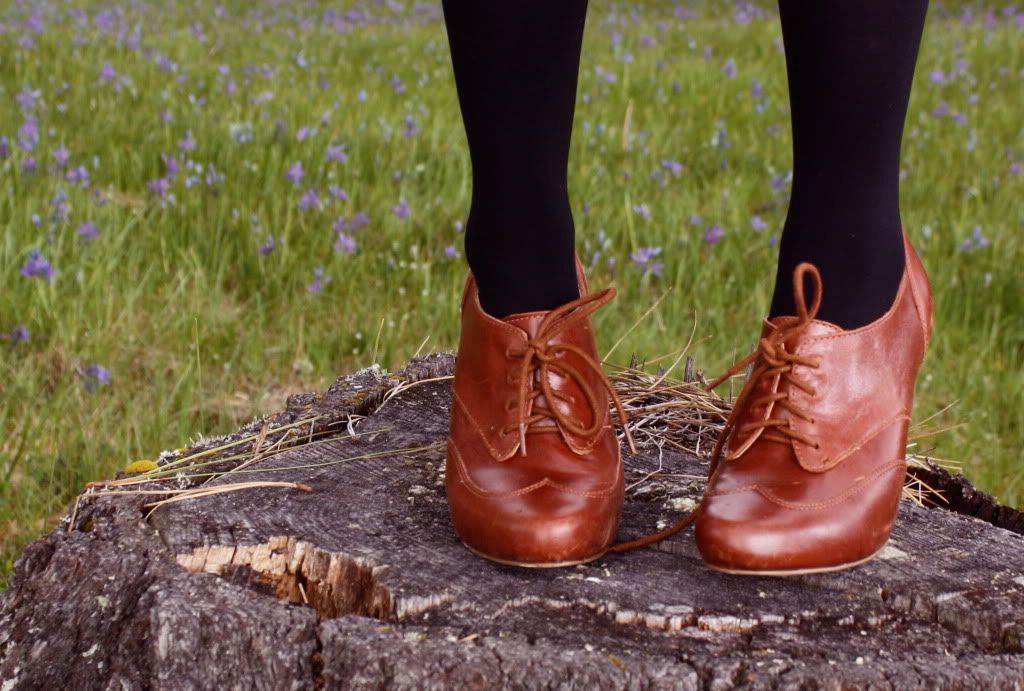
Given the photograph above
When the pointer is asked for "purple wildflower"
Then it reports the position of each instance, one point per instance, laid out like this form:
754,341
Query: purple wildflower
296,173
451,252
188,143
160,186
411,128
402,209
38,267
397,85
730,70
171,163
61,156
214,178
345,244
758,224
360,220
937,77
28,99
604,74
1015,169
960,118
78,176
108,73
5,147
757,89
696,220
310,201
29,165
643,211
336,152
337,193
20,334
95,376
35,23
319,281
714,234
675,167
269,246
88,231
646,260
941,110
28,134
782,181
305,132
979,239
61,210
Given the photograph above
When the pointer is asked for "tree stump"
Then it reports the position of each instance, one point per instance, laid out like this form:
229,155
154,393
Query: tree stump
361,583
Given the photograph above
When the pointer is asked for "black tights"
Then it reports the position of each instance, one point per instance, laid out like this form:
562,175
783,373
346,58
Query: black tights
850,64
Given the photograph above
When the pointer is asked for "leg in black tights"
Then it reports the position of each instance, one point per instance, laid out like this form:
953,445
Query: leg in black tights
850,65
516,65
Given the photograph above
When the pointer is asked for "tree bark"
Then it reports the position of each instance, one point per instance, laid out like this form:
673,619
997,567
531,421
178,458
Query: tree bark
361,583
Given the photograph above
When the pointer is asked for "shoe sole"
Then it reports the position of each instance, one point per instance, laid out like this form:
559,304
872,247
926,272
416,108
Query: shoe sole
536,564
797,572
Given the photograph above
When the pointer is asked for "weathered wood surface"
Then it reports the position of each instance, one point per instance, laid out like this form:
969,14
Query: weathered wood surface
362,584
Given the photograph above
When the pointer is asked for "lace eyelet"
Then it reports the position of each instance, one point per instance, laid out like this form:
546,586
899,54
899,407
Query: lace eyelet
510,406
817,446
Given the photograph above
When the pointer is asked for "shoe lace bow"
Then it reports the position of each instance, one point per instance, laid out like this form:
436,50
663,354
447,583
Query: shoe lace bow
771,360
541,358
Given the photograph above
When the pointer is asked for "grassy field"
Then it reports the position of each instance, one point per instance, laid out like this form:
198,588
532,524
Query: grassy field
206,208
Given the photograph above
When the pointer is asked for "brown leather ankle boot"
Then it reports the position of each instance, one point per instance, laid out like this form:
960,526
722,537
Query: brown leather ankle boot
534,472
809,470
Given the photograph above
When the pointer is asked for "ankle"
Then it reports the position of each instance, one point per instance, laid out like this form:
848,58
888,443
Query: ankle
861,273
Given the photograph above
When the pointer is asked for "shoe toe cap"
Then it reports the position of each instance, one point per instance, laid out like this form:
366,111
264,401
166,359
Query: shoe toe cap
544,526
748,532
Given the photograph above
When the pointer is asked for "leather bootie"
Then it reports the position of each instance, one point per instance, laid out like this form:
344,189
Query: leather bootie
809,470
534,472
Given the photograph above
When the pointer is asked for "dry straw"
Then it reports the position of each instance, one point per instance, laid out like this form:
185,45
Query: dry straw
664,412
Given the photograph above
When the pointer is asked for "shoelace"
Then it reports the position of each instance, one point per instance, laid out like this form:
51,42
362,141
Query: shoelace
770,359
541,358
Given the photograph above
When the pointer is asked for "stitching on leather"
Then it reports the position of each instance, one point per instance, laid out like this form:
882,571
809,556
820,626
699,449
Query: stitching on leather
528,316
852,448
498,455
483,493
877,324
734,490
488,319
837,499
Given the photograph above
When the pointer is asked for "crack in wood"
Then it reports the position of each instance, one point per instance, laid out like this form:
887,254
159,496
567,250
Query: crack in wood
332,583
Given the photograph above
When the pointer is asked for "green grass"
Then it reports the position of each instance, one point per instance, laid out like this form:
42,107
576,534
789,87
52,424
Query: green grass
201,333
